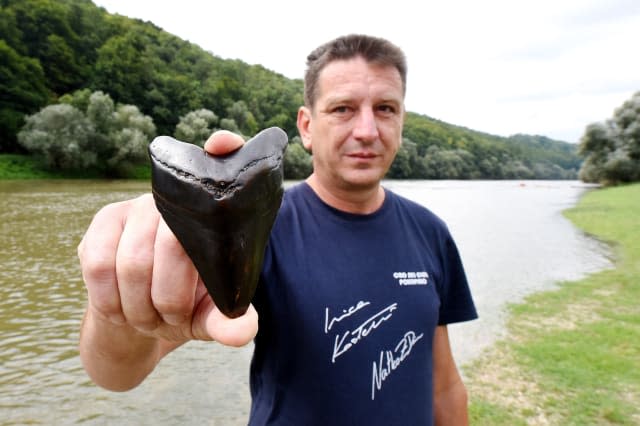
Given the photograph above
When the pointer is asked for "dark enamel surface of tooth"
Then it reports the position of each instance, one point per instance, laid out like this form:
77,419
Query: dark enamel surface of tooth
221,209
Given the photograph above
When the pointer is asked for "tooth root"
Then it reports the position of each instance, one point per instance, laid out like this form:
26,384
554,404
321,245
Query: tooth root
221,209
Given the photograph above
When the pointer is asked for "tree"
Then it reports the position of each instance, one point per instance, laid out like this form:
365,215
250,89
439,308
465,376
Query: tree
402,167
62,66
23,90
595,145
129,137
516,169
100,111
612,149
196,126
78,99
123,67
448,163
627,121
230,125
297,161
244,119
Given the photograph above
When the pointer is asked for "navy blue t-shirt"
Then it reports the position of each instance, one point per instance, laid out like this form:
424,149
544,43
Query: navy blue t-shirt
348,305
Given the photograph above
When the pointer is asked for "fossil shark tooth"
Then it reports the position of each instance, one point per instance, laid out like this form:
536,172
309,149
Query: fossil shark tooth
221,209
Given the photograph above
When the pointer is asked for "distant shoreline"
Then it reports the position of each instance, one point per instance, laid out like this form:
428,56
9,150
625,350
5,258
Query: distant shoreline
22,166
25,167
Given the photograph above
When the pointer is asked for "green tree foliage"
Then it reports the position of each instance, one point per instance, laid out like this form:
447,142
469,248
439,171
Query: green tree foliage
108,137
79,45
61,134
297,160
445,151
78,99
243,118
448,163
612,149
123,67
23,89
230,125
61,35
196,126
128,140
52,47
405,165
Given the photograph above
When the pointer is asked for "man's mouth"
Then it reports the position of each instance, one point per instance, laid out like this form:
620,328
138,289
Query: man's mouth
362,155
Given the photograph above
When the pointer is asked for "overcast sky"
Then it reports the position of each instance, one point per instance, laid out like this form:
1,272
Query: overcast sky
547,67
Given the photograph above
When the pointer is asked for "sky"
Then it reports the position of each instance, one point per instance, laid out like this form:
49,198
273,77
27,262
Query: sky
544,67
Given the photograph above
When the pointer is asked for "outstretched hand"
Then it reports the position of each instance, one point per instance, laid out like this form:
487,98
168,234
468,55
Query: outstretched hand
145,296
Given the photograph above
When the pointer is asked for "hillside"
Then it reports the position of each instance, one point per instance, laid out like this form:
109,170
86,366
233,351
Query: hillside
49,48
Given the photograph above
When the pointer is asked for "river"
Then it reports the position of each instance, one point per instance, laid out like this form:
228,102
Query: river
512,237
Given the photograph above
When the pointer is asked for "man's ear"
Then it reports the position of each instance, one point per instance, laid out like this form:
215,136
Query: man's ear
304,126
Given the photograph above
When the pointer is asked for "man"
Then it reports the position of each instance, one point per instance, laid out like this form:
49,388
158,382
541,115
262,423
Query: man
357,285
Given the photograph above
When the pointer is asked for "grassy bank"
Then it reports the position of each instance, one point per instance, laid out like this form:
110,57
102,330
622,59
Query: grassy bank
13,166
572,355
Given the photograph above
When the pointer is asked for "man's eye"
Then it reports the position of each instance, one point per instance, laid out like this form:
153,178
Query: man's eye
340,109
386,109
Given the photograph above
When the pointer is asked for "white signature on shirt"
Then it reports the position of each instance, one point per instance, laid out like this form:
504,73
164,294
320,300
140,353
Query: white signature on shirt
350,338
346,313
390,360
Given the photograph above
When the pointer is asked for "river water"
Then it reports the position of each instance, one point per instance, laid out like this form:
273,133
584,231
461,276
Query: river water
511,235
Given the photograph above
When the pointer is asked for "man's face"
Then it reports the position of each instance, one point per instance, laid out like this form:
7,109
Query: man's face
355,127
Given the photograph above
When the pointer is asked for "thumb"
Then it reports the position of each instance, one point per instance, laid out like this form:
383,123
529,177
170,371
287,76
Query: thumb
231,331
223,142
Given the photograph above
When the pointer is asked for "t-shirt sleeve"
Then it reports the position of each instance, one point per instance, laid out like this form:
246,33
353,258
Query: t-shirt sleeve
456,302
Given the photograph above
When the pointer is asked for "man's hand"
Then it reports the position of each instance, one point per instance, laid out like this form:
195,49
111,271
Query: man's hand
145,296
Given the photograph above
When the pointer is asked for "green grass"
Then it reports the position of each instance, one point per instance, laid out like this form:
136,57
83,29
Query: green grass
142,171
572,356
14,166
484,413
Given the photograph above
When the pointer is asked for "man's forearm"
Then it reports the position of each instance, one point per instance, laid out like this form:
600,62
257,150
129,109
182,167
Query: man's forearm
451,406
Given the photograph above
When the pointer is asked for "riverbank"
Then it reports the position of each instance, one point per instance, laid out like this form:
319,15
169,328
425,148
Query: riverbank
16,166
572,355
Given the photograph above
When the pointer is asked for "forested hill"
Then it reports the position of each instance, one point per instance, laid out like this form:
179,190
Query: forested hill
51,48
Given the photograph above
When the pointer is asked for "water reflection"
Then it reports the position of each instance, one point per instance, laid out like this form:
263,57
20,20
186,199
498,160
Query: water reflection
513,240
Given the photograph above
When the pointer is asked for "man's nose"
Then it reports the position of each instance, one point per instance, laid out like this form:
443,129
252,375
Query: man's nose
366,127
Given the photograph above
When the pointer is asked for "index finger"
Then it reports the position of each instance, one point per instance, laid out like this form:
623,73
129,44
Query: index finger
97,254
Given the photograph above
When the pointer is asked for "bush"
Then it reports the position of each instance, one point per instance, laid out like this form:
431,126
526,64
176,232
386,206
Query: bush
108,137
61,136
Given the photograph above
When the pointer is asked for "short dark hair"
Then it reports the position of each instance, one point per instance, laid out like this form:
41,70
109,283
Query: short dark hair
372,49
